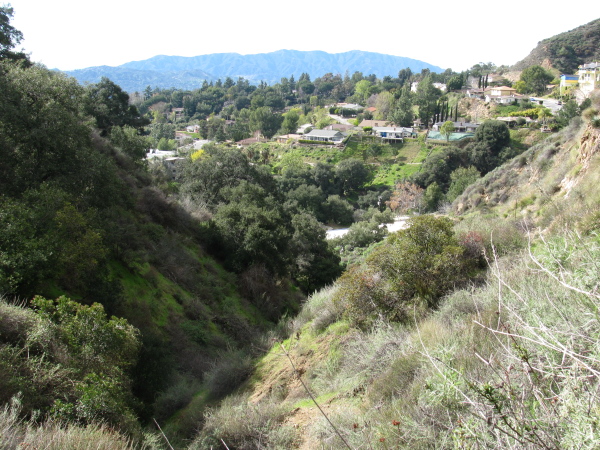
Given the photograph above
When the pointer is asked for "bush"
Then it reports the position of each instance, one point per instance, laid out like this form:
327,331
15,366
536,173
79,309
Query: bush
416,266
228,373
245,426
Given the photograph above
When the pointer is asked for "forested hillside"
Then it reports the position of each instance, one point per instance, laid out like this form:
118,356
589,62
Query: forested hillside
566,51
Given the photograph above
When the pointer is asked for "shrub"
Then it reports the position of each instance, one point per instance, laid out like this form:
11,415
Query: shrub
414,266
228,373
244,425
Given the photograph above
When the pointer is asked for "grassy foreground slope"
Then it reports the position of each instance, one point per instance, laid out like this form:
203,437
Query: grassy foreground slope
509,360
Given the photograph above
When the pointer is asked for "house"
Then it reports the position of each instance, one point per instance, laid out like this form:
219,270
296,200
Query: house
250,141
339,127
503,99
475,93
501,91
511,122
459,127
589,77
375,123
394,133
441,86
284,138
568,80
332,136
193,128
173,166
256,139
353,106
179,112
502,94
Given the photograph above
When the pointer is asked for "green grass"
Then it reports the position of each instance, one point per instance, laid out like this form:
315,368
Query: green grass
389,174
151,291
307,402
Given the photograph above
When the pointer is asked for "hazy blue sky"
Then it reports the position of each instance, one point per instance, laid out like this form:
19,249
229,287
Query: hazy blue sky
70,34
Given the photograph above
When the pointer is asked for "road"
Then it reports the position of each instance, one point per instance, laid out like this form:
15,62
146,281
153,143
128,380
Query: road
340,119
550,103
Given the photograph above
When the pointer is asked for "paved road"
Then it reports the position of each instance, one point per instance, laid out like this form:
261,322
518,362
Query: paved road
340,119
550,103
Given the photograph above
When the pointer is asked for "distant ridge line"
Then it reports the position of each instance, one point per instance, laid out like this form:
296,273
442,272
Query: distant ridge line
189,72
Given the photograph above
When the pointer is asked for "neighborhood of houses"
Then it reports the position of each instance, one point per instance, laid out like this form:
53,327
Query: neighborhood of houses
581,84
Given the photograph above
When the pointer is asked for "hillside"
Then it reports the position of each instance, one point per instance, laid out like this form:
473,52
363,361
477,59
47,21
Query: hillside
189,72
566,51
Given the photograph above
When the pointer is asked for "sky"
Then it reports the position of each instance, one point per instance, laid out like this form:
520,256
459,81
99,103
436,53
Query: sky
74,34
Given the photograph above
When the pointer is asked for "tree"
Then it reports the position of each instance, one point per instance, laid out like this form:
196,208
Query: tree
205,178
384,103
43,137
491,138
361,90
569,110
447,129
251,230
403,115
290,121
351,174
427,97
415,266
432,197
130,142
460,179
455,83
405,198
338,210
423,260
536,78
315,265
10,37
265,121
109,105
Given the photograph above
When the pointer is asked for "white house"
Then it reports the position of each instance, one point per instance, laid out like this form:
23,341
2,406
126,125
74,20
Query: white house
393,133
459,127
589,77
332,136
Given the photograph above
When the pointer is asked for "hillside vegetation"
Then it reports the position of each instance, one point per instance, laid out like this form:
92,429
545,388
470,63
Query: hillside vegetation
566,51
498,358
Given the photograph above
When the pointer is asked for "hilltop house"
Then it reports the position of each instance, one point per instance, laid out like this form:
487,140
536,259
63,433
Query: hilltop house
332,136
589,77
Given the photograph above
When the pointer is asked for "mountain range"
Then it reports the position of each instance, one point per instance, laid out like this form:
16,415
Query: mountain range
190,72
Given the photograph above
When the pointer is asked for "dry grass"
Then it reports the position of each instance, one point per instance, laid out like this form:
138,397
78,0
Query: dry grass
18,434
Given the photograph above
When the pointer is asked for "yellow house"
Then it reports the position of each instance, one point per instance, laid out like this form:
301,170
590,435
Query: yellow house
589,77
